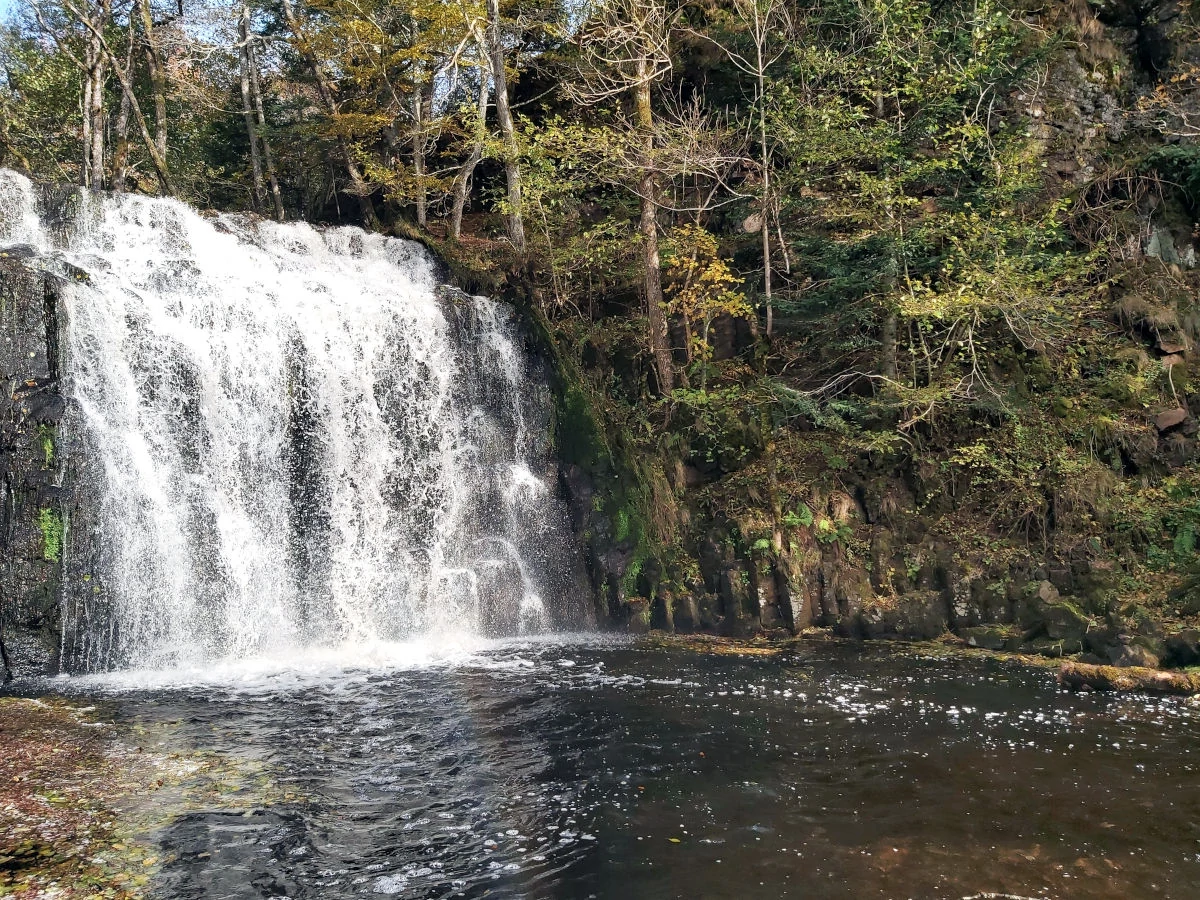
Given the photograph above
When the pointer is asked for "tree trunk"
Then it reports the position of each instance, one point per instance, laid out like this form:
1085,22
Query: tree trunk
93,118
766,251
357,182
418,151
158,78
158,159
98,123
5,663
85,108
648,225
121,131
257,189
512,170
92,175
121,149
463,179
765,203
766,427
889,367
268,158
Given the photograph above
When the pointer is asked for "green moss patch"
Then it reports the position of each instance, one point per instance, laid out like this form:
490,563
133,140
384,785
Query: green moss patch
53,530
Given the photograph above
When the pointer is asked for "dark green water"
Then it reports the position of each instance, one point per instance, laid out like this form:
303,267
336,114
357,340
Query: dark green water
585,770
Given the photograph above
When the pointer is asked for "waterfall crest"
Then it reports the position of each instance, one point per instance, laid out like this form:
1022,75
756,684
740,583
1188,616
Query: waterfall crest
298,438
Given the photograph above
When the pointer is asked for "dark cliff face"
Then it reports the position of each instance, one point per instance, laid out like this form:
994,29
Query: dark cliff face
48,559
34,516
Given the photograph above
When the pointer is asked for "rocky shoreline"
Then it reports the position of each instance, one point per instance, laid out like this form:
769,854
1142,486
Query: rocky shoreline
61,835
84,795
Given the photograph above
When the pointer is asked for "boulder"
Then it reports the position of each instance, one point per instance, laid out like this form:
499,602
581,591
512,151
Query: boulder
990,599
874,622
1038,595
662,611
739,605
770,616
43,408
1099,639
1062,578
18,251
917,614
639,615
922,614
1171,418
686,614
1054,647
708,609
1065,621
790,591
852,593
1044,611
1132,654
988,637
960,599
1183,648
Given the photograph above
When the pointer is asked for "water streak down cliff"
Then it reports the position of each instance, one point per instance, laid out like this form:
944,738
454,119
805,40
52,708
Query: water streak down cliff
295,437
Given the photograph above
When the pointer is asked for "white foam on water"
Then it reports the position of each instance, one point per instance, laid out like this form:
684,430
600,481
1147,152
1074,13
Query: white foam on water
340,668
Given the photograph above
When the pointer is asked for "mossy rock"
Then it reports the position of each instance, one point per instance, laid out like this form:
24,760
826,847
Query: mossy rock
1065,620
709,610
1044,609
1040,373
1083,677
638,611
577,436
1133,655
1054,647
987,637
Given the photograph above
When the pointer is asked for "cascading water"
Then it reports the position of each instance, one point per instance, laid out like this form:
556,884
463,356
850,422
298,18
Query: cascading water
299,439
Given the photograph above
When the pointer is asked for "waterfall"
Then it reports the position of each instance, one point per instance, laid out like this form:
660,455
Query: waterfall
298,438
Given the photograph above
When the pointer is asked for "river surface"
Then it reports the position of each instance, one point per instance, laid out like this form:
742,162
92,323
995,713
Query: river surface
608,770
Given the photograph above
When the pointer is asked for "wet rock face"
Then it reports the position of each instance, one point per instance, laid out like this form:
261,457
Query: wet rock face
33,511
48,486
